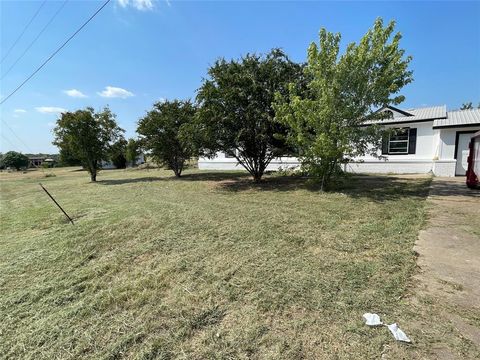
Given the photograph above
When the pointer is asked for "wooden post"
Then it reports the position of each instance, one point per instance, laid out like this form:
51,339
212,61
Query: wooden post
56,203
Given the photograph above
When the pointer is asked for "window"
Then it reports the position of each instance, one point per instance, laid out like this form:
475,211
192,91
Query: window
230,154
389,114
398,142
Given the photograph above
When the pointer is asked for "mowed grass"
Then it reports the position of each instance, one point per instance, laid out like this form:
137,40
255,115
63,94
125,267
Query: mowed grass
207,266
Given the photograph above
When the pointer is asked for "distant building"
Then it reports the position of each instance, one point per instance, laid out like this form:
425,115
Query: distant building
36,161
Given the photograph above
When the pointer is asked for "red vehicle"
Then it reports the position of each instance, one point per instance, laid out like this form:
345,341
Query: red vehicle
473,170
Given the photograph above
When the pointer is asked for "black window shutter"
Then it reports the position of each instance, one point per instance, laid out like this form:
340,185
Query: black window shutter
385,144
412,142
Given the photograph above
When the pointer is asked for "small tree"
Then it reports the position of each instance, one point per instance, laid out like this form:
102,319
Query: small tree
330,123
15,160
132,151
467,106
236,114
164,132
117,153
87,136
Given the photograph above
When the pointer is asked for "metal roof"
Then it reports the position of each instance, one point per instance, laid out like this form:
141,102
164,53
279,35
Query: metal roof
459,118
434,112
414,115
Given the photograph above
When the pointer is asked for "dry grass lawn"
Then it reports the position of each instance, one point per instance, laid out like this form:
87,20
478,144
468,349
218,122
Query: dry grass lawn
207,266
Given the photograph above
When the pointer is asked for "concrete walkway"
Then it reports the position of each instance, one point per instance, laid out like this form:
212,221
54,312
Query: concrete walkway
449,261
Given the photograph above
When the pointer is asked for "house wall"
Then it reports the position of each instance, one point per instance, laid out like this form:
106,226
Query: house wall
445,162
435,151
420,162
221,162
447,141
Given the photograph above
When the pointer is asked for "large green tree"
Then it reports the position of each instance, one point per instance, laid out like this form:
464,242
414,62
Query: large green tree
165,133
331,123
66,158
14,159
236,114
117,153
88,136
132,151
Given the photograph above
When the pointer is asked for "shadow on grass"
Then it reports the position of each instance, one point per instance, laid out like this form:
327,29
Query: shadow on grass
375,187
197,176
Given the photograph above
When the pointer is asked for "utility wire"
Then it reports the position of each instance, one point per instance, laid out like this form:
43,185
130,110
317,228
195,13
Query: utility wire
55,52
15,134
36,38
23,32
7,140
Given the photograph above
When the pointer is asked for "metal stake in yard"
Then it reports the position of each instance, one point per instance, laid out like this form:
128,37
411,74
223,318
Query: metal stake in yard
51,197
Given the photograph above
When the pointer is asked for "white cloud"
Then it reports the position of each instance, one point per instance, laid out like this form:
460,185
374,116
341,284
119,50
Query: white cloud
50,109
142,5
75,93
18,112
115,92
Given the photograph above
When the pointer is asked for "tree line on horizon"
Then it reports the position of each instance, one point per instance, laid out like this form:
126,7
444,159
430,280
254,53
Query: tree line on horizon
260,107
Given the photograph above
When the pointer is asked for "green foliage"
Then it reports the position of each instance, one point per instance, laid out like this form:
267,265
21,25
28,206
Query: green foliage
66,158
236,114
87,136
329,122
117,153
14,160
469,106
166,133
132,151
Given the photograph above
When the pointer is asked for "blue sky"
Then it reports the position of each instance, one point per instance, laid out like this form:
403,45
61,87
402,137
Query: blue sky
147,50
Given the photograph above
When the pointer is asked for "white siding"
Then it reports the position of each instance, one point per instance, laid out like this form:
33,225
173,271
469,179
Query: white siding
391,167
425,147
447,141
435,152
221,162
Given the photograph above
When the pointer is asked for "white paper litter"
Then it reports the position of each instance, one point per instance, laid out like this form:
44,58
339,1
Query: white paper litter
374,320
398,334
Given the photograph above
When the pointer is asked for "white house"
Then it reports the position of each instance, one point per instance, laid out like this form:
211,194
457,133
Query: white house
427,140
108,165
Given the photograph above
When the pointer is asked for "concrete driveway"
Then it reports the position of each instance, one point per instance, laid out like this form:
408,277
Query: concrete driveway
449,261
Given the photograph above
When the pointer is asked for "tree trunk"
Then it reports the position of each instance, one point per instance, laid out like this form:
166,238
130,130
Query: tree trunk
257,176
93,175
177,170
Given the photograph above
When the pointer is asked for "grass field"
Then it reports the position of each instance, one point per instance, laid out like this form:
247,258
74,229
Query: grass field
207,266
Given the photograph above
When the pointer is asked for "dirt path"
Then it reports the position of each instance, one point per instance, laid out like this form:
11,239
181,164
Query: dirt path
449,261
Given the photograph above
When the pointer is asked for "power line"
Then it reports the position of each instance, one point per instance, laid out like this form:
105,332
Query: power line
18,138
36,38
55,52
7,140
23,32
